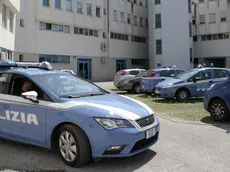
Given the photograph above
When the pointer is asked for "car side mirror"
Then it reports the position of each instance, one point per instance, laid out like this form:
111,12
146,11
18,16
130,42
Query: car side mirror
31,95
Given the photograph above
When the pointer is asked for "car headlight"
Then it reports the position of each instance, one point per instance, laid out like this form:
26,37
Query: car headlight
169,85
111,123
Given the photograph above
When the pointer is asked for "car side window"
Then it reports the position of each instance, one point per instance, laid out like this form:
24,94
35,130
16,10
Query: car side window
134,72
20,84
5,83
178,72
203,75
167,73
220,73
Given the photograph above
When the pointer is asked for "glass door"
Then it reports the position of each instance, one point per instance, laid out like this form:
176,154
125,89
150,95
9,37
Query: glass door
120,64
84,68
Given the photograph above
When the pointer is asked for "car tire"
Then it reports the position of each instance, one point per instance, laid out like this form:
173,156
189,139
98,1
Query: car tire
219,111
73,145
137,88
182,95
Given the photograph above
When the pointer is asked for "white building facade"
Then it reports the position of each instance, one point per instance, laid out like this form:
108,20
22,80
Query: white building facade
170,33
8,9
95,38
211,32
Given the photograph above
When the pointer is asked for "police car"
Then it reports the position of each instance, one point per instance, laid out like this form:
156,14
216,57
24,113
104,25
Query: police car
192,83
54,109
217,101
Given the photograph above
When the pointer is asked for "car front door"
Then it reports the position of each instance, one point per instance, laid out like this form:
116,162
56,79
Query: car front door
23,119
200,83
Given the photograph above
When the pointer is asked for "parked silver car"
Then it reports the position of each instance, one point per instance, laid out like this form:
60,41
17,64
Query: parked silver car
124,74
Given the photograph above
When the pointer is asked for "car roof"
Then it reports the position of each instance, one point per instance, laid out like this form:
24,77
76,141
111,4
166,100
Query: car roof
160,69
127,70
31,71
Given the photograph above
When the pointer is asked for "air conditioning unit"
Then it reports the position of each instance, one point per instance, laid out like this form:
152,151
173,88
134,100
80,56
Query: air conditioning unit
103,47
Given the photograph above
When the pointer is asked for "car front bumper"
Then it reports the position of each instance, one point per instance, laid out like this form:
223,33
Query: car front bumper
164,92
132,140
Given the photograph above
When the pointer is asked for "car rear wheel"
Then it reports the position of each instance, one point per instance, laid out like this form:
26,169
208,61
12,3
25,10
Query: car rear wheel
74,147
219,110
182,95
137,88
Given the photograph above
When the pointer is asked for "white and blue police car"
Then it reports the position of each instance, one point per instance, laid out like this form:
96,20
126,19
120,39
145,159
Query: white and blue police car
57,110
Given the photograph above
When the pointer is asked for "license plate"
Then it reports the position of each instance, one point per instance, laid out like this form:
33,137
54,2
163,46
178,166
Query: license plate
150,133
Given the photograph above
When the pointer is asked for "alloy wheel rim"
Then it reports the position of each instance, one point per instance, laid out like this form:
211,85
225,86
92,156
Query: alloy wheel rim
183,95
138,89
67,146
218,110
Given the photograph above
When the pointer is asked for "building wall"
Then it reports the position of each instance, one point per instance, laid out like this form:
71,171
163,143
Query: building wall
7,32
32,41
216,46
174,33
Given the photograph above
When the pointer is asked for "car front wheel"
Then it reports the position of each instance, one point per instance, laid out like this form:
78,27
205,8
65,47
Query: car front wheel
219,110
74,147
182,95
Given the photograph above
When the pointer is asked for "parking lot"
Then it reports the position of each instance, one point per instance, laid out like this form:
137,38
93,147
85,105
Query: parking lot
183,147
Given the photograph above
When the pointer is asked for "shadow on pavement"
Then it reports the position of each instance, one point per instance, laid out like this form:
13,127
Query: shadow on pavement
128,164
223,125
24,157
193,100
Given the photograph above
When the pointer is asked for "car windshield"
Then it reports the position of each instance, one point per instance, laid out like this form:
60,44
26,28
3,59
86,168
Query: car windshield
188,74
64,85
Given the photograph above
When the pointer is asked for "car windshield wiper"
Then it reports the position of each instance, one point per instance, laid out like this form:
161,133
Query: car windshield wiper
85,95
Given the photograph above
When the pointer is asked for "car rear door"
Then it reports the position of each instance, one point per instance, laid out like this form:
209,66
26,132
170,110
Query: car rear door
220,75
22,119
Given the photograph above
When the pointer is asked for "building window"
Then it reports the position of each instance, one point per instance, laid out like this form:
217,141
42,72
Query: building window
201,1
122,14
89,9
84,31
189,6
212,18
20,58
42,26
98,12
158,46
203,38
58,4
54,58
146,3
190,29
79,7
141,21
135,20
69,5
129,18
114,15
202,19
191,55
119,36
46,3
54,27
157,2
4,19
139,39
66,29
146,23
158,21
22,24
195,38
11,21
223,16
139,61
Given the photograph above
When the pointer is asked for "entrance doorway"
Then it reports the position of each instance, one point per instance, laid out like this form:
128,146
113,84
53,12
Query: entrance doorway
84,68
120,64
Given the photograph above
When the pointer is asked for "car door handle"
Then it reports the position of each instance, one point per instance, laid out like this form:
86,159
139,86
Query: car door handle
5,106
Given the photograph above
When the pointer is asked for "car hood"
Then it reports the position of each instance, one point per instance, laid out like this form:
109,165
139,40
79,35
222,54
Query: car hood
171,81
109,105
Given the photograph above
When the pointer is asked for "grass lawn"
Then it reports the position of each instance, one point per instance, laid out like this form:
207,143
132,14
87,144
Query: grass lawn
190,110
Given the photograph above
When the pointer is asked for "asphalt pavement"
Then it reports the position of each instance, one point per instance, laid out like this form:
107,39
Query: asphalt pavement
181,148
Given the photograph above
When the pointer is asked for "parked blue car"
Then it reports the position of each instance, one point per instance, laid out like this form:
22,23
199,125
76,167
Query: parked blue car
217,101
193,83
155,76
58,110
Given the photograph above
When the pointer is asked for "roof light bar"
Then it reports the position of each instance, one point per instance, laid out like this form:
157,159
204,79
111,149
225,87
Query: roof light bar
43,65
